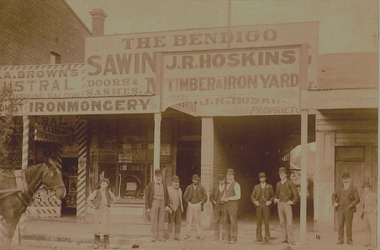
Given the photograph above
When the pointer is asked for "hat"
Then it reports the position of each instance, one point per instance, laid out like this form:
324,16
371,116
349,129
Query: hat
104,180
221,178
262,174
346,175
282,170
230,171
157,172
366,184
195,177
175,178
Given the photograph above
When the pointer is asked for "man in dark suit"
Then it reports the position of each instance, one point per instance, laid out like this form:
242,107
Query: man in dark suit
262,197
285,196
345,200
156,203
218,205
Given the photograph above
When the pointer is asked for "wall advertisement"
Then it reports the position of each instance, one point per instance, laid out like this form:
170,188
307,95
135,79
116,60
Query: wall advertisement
120,74
235,82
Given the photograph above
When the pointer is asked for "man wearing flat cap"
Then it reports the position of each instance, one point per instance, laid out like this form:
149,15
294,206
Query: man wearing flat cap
285,196
369,214
218,205
345,200
157,203
176,207
195,196
232,194
262,197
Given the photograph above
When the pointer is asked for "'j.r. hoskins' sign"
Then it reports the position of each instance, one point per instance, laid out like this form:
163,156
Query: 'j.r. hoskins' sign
269,77
126,66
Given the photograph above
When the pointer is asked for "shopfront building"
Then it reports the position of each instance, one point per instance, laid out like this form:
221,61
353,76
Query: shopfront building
197,101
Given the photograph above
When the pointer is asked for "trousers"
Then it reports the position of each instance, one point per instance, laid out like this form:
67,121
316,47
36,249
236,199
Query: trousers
345,216
262,213
157,215
175,222
285,215
370,220
230,221
193,214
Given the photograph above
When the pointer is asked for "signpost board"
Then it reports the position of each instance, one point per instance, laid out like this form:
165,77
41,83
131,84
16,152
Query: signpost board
235,82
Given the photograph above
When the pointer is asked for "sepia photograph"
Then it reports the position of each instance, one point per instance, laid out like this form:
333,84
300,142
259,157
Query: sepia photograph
189,124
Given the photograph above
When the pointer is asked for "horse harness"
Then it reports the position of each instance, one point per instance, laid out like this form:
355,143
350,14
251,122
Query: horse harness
26,194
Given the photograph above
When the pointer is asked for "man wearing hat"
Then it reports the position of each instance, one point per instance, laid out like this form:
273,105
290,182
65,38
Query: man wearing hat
285,196
345,200
195,196
218,205
369,215
262,197
176,208
156,203
232,194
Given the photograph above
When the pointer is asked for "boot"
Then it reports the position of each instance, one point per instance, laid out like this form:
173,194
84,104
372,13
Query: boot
106,241
97,241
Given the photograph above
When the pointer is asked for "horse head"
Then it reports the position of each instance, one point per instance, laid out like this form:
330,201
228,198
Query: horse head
52,178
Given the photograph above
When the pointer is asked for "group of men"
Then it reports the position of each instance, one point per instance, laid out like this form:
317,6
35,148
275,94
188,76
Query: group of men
224,197
161,200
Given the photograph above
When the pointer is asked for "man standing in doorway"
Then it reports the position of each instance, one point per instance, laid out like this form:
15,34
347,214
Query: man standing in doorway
156,203
176,206
285,196
218,205
369,201
345,200
262,197
231,196
195,196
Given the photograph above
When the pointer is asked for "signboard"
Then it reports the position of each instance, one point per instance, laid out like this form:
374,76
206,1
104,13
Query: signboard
131,60
189,108
234,82
54,129
106,105
44,81
119,73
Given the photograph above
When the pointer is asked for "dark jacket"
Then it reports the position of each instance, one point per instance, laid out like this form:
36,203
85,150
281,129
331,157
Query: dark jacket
353,196
291,191
189,193
149,192
214,196
268,193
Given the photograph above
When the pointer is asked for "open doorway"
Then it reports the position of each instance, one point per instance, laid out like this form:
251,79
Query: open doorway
255,144
70,176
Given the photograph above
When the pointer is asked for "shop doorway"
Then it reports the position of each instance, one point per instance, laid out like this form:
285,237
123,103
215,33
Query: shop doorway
257,144
70,176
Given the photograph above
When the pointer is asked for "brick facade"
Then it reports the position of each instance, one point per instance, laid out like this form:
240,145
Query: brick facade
31,30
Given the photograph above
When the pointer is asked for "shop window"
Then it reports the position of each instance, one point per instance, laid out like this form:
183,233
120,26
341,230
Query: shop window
119,152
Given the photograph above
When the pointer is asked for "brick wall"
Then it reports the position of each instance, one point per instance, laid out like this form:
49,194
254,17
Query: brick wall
32,29
222,151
